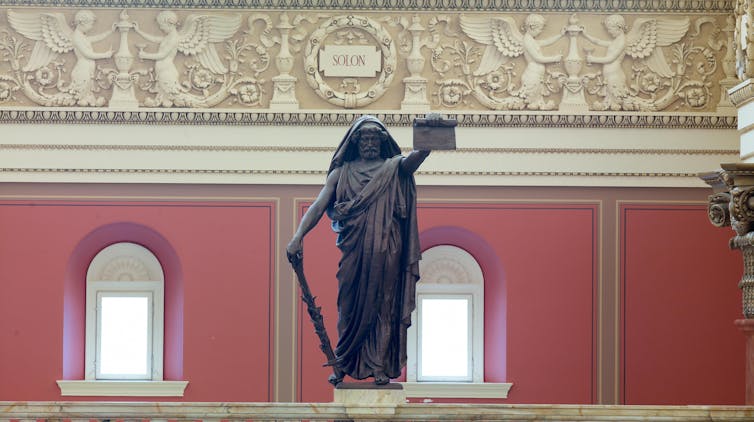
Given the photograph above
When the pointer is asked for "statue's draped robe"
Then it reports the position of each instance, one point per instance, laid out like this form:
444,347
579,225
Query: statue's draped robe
374,214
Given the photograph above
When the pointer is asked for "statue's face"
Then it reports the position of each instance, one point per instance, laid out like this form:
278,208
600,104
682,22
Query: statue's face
536,29
613,29
85,25
369,143
165,27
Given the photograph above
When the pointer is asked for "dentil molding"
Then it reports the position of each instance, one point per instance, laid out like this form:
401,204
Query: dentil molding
392,119
517,5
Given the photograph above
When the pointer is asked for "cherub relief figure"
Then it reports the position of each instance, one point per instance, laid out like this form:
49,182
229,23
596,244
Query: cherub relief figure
640,42
53,36
195,38
504,41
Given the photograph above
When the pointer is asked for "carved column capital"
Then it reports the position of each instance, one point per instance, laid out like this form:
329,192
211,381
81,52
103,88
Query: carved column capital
732,203
741,211
717,209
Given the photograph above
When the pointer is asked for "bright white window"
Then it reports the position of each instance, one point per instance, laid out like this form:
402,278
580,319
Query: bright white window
124,314
124,330
444,325
446,337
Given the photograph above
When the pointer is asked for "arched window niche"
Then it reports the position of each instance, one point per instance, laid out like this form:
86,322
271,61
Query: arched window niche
124,314
123,267
462,294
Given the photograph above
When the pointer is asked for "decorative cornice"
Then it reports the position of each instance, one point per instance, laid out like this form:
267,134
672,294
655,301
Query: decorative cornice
285,148
679,6
323,172
341,118
742,93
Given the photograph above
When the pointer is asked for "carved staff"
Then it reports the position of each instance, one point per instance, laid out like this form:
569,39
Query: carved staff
297,262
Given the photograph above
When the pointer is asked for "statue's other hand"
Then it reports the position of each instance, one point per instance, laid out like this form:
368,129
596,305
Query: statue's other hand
294,250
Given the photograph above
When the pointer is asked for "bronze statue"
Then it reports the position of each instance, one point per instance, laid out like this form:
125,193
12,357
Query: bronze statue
370,196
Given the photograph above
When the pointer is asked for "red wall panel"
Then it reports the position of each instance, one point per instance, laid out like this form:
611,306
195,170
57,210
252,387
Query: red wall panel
227,269
548,256
679,303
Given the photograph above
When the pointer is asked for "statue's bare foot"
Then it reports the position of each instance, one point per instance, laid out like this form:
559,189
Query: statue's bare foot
380,378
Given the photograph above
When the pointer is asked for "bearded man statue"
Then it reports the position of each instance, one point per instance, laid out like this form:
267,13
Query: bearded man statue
370,196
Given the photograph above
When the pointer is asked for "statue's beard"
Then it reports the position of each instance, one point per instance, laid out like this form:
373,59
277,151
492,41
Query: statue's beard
369,153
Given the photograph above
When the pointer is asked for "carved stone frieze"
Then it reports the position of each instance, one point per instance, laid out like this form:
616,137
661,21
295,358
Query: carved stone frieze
673,63
276,60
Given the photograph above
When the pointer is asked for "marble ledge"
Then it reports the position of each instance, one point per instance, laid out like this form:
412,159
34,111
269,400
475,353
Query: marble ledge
398,412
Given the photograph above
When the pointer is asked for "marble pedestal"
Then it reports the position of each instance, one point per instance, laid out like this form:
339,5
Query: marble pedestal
369,400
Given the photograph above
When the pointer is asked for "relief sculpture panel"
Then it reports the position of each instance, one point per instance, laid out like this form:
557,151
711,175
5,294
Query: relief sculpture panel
373,60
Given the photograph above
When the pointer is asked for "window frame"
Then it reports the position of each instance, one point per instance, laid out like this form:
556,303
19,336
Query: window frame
465,266
154,291
143,264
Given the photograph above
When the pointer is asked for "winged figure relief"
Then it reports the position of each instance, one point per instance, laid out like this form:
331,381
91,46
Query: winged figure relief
53,37
196,37
504,41
641,42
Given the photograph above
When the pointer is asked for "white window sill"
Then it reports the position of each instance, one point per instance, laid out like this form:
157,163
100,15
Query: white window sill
457,390
122,388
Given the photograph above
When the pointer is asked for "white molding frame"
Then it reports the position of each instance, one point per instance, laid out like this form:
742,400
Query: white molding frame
487,155
450,270
457,390
122,388
145,275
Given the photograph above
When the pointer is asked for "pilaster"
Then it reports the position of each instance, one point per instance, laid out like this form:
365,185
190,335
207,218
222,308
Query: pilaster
732,201
747,328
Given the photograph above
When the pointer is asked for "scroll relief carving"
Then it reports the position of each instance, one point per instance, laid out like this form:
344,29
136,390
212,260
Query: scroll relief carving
273,60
